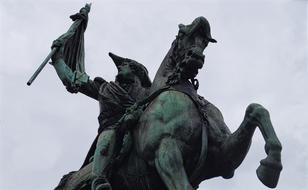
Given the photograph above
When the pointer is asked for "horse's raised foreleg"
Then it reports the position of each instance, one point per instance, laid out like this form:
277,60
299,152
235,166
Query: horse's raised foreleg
269,170
169,164
237,145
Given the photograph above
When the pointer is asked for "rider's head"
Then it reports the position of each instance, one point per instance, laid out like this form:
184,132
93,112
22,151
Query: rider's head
129,71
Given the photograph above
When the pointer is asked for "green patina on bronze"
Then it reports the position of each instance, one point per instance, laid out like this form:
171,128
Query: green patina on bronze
162,135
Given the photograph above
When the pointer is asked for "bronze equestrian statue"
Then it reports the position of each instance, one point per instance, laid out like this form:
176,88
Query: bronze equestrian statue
179,138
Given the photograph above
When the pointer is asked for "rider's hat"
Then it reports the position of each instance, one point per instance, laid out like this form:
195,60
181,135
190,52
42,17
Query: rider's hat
138,69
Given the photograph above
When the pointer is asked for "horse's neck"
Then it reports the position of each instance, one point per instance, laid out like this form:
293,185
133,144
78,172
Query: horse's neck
165,69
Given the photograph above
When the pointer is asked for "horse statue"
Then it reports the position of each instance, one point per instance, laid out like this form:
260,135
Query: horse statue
181,139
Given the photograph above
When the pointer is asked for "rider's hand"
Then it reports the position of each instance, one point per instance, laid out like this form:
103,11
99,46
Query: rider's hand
59,53
57,43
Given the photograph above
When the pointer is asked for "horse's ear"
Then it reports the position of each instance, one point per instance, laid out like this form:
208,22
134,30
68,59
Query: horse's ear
182,30
181,27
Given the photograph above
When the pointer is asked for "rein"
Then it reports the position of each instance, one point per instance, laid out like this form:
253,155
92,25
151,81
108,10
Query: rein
176,57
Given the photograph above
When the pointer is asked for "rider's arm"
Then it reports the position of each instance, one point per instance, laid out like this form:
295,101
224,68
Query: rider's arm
75,81
64,72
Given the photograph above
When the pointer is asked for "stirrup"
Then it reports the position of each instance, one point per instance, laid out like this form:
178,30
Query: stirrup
101,183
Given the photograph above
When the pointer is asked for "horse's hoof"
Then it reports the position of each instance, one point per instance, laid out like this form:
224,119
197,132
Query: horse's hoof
268,172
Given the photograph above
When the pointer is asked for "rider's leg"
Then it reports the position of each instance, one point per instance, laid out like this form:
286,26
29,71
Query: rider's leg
102,157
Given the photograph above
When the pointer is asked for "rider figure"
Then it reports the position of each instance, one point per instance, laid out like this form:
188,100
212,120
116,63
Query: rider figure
131,84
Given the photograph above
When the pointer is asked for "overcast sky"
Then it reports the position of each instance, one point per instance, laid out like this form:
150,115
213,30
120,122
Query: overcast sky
261,56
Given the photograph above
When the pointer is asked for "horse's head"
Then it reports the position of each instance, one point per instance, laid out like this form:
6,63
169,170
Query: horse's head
187,54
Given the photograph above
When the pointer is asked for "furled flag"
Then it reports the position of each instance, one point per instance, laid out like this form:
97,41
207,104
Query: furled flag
73,42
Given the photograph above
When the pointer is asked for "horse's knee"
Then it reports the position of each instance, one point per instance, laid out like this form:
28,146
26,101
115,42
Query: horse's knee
251,107
256,113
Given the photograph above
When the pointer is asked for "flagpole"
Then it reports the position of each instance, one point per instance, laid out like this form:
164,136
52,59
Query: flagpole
40,68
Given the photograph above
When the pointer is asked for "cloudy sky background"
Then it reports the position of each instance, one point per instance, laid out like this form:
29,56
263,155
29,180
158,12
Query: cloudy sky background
261,56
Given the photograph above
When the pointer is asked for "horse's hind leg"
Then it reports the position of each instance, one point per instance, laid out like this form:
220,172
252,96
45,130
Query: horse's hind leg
169,164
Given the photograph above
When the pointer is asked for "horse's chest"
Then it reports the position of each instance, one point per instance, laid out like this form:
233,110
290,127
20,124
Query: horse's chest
171,114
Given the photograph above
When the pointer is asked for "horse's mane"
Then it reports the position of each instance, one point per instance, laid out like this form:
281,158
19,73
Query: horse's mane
168,72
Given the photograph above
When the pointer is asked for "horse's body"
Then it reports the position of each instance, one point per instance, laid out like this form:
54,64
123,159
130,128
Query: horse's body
181,139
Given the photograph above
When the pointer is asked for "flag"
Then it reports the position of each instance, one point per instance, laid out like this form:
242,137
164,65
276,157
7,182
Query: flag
73,41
